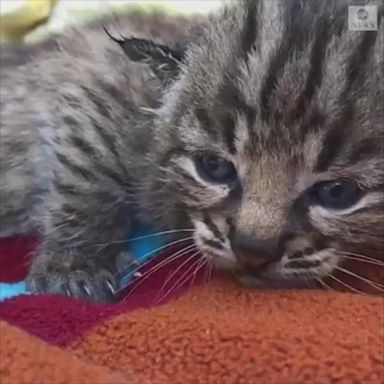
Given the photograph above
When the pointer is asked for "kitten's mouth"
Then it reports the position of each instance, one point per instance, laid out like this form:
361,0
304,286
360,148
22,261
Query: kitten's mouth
223,262
252,271
255,267
252,264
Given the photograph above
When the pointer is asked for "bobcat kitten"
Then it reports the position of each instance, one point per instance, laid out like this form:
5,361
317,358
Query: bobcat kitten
264,134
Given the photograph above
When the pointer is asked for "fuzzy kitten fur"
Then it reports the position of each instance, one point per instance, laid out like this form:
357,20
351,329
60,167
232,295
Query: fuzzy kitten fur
74,133
238,132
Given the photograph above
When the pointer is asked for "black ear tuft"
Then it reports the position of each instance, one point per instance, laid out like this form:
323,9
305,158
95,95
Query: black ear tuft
163,60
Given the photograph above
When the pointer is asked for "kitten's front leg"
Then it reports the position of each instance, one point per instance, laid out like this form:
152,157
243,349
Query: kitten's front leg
84,232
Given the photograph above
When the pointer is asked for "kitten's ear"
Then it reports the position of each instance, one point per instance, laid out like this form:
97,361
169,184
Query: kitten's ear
164,61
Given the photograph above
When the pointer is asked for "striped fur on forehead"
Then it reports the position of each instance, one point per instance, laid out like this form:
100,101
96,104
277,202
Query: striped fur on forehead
287,68
294,100
288,94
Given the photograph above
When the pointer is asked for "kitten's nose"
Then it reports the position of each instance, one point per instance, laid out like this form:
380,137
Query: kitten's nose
253,252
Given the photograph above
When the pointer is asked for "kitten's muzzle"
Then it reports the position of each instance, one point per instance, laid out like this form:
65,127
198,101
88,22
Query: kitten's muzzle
255,253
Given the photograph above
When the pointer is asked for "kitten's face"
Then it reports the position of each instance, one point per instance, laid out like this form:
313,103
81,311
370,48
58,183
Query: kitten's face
271,141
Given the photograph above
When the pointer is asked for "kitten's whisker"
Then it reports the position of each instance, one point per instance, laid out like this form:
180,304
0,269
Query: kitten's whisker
159,234
205,278
159,295
180,280
210,272
168,260
325,285
134,270
146,236
346,285
309,280
173,274
203,262
378,263
136,261
378,286
355,256
197,265
156,267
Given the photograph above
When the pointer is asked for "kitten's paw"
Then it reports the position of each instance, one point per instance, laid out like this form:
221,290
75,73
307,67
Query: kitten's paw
99,286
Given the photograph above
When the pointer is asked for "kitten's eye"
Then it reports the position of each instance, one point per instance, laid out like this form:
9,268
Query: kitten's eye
339,194
214,168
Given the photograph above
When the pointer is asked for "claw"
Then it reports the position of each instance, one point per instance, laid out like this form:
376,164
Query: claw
110,286
86,289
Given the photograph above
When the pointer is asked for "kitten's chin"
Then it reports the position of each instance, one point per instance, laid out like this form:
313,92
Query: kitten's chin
269,277
222,262
251,281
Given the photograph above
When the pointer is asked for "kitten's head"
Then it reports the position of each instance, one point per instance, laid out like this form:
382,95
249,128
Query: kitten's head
271,139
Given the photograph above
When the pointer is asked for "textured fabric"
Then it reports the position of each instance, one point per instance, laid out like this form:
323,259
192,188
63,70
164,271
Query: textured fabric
58,319
216,333
25,359
226,334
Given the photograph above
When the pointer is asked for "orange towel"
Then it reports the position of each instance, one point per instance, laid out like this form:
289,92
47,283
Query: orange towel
217,334
24,359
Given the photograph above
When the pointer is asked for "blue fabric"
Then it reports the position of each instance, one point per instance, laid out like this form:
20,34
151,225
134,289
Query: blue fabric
141,244
11,290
